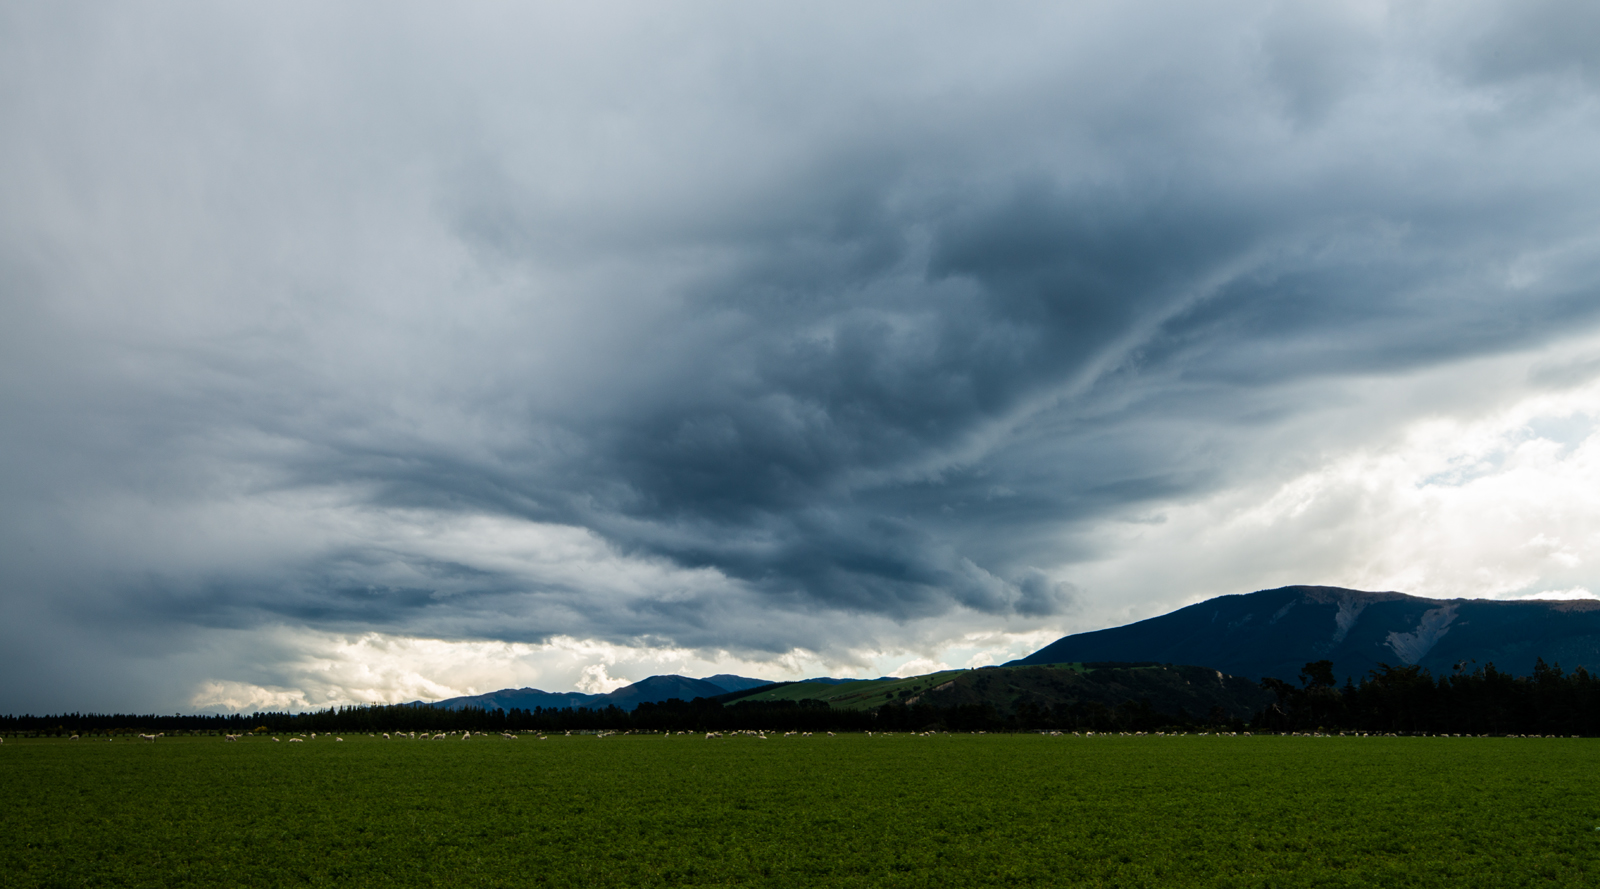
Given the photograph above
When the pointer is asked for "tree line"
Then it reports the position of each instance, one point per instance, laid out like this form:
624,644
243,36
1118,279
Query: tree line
700,714
1410,699
1405,699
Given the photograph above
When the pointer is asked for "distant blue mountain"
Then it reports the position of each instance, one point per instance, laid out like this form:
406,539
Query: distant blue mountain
730,682
523,698
652,690
660,688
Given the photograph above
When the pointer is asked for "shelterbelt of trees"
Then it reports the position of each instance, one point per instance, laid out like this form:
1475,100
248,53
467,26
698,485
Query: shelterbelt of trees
1405,699
1409,699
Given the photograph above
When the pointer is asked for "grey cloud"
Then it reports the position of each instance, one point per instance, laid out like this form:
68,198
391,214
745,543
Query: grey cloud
1538,38
1315,55
873,332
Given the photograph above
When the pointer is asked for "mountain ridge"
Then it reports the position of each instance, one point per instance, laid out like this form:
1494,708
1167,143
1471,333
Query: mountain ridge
653,689
1276,632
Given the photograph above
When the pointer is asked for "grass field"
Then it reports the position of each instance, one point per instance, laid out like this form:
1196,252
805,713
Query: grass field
953,810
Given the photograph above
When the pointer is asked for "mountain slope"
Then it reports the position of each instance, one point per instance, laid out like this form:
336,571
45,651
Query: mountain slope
660,688
730,682
1276,632
653,690
522,698
1168,689
864,694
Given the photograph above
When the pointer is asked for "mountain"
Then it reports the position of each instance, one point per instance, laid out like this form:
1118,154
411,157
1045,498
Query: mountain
1168,689
1276,632
508,698
730,682
660,688
653,690
524,698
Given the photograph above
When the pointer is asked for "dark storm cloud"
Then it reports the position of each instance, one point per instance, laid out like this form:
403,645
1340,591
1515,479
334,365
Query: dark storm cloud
877,321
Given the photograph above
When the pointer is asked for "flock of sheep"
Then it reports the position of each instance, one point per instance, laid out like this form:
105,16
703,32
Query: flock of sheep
762,735
303,737
467,735
758,734
753,733
425,736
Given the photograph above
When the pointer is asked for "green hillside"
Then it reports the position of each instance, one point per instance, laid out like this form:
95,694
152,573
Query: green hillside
1168,689
868,694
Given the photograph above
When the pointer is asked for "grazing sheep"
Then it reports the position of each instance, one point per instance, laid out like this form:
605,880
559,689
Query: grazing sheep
152,738
466,735
274,740
439,736
338,739
73,738
296,741
508,736
386,736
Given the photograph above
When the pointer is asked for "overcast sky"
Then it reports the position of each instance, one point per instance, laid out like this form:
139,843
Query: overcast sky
376,352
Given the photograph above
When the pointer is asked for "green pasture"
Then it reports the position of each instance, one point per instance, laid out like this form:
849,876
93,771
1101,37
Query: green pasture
947,810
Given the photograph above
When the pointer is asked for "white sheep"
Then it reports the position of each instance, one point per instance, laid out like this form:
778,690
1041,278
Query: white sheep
508,736
386,736
338,739
296,741
151,738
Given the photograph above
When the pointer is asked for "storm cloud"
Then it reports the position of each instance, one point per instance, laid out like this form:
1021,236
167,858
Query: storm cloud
786,336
